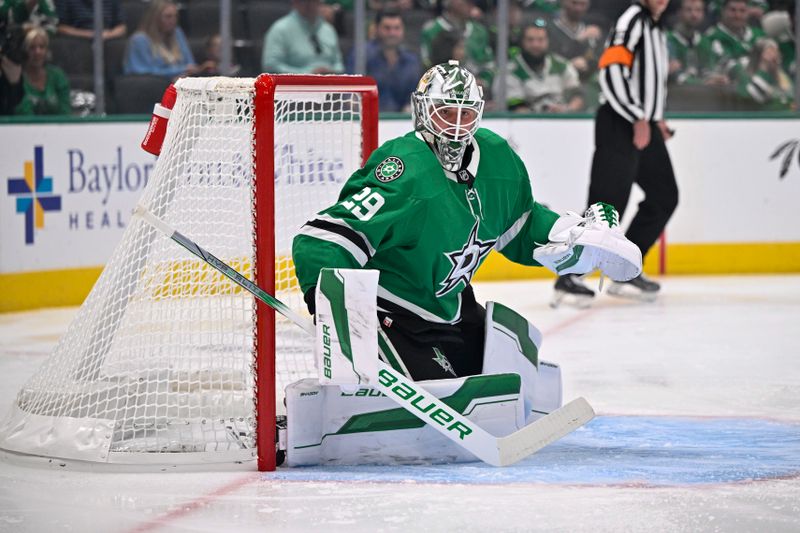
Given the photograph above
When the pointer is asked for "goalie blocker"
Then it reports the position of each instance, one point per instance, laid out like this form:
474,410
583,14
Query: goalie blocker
340,418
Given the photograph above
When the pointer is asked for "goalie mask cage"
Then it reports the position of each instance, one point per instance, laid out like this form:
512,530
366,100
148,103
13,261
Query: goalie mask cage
167,362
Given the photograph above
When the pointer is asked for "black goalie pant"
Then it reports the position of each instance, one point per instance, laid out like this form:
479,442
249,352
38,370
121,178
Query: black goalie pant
427,350
617,165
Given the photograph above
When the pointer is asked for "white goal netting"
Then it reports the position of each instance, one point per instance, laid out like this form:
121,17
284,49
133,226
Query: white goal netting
160,358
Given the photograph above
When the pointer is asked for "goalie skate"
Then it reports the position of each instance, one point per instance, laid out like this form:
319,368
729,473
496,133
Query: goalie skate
280,439
639,288
570,290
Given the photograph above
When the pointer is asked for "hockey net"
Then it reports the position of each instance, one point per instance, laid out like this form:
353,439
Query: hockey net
168,362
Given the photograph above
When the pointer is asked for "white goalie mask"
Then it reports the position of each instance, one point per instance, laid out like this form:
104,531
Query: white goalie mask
447,108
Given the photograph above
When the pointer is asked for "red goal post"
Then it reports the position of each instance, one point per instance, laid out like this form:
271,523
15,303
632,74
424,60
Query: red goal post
267,86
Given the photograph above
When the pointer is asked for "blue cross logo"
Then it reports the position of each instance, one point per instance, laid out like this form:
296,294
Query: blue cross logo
34,192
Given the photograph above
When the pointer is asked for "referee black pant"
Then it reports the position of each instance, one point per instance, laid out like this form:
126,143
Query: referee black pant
618,164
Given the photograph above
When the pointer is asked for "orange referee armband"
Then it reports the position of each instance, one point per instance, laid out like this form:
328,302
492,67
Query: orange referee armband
616,55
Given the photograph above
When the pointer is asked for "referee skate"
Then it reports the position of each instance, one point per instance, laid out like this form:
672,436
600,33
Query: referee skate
570,290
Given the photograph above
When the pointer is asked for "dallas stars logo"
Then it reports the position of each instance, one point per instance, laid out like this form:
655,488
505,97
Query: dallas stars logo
465,261
390,169
443,362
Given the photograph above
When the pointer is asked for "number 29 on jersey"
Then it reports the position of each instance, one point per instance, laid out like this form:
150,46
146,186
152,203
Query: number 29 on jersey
364,204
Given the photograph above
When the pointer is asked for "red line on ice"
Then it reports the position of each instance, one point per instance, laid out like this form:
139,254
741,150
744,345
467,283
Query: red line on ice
193,505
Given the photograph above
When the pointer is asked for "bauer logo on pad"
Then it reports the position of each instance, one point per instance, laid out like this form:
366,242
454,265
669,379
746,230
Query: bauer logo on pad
390,169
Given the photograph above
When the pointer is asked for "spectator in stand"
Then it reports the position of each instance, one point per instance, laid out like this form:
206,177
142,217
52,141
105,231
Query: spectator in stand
400,6
542,7
448,45
76,19
516,24
213,58
46,89
755,10
730,40
16,18
683,43
159,46
395,69
539,81
457,16
571,37
333,10
779,25
11,89
29,14
764,81
302,42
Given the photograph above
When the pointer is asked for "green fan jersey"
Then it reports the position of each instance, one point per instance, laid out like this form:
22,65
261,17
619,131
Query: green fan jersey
424,229
685,49
721,49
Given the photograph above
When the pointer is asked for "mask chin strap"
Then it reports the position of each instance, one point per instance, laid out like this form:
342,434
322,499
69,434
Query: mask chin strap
449,153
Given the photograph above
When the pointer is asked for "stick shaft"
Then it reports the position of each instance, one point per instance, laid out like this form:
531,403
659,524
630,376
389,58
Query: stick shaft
225,269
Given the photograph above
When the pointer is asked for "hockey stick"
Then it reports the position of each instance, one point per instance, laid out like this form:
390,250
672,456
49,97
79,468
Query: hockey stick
496,451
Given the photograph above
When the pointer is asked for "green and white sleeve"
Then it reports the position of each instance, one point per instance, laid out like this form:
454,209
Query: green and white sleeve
347,234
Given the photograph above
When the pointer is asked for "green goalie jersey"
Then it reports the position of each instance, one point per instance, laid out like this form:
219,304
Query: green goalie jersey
425,231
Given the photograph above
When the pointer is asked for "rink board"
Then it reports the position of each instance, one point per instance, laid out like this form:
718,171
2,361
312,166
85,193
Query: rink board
68,190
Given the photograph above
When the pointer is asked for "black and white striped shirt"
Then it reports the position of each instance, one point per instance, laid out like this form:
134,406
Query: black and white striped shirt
634,66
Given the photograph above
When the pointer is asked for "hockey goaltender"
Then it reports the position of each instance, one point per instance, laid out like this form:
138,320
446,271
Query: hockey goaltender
421,216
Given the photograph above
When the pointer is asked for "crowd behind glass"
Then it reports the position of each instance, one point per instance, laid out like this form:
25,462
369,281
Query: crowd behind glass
724,55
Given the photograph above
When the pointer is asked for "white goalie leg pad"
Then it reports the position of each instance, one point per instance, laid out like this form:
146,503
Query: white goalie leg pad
328,425
512,345
346,344
548,395
579,245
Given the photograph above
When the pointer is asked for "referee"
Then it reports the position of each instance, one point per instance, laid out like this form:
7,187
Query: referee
629,137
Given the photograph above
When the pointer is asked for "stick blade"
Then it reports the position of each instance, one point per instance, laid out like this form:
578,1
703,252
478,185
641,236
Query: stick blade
544,431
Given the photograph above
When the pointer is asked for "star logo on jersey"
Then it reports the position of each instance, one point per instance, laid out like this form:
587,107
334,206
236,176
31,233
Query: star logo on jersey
390,169
443,362
465,261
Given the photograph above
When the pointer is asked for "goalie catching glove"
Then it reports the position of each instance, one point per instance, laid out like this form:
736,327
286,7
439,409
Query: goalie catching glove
579,245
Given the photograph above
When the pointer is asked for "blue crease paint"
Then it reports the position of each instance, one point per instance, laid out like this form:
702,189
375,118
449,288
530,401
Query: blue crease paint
616,450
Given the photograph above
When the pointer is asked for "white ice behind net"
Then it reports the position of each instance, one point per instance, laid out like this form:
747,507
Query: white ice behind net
160,356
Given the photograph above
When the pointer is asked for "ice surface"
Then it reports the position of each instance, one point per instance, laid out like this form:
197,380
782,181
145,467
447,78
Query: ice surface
698,429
